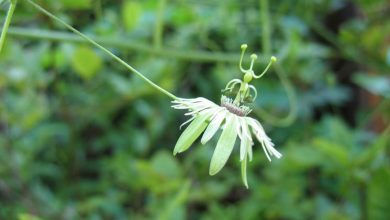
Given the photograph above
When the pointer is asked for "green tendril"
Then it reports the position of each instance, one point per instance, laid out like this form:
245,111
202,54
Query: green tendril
7,22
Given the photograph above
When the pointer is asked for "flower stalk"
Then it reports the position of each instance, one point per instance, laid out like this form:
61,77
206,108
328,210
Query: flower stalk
7,22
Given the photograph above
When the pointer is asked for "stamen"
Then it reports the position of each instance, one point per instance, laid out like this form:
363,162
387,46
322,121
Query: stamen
229,104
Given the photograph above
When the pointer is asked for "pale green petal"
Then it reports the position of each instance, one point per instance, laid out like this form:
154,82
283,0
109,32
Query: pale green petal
258,131
192,132
213,127
245,138
250,151
243,171
225,145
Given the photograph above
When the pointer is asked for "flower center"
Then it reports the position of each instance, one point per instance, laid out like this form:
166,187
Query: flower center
234,108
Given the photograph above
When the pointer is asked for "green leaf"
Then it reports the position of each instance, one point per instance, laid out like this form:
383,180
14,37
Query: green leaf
337,153
192,132
85,62
378,196
176,202
224,146
131,12
368,157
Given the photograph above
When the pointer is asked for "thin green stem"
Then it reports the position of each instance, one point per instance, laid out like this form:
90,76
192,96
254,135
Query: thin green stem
272,61
158,31
7,22
266,41
119,60
292,99
98,9
126,44
266,27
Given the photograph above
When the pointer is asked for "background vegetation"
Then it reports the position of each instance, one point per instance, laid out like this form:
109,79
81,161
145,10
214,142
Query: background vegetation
82,138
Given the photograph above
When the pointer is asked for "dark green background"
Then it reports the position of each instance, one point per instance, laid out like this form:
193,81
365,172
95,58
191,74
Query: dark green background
83,138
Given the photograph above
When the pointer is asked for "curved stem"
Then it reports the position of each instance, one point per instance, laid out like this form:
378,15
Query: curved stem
132,69
7,22
266,36
159,27
273,60
292,99
266,27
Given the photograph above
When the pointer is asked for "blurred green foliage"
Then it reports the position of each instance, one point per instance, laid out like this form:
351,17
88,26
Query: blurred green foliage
81,138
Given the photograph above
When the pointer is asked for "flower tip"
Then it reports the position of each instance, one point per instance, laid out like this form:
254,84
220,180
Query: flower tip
212,172
254,57
244,46
273,59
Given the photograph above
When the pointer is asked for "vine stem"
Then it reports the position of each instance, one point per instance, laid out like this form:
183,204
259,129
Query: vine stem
7,22
158,30
266,27
287,85
119,60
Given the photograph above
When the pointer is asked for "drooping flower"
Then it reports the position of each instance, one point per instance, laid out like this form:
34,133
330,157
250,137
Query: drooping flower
230,116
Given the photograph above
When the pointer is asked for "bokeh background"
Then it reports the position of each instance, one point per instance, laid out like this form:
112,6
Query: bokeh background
81,137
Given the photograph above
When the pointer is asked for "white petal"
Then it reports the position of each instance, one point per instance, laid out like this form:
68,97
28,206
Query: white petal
265,141
250,152
273,151
225,145
264,148
213,126
188,121
243,172
191,133
244,139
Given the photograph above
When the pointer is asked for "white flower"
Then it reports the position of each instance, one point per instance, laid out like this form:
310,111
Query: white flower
207,117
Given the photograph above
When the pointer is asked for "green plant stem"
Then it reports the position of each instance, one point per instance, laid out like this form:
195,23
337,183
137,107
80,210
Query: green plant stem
292,99
119,60
266,27
7,22
98,9
287,85
126,44
158,31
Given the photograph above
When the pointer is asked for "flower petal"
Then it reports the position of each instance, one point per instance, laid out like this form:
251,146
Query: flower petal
246,139
225,145
265,141
243,171
192,132
213,127
250,151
